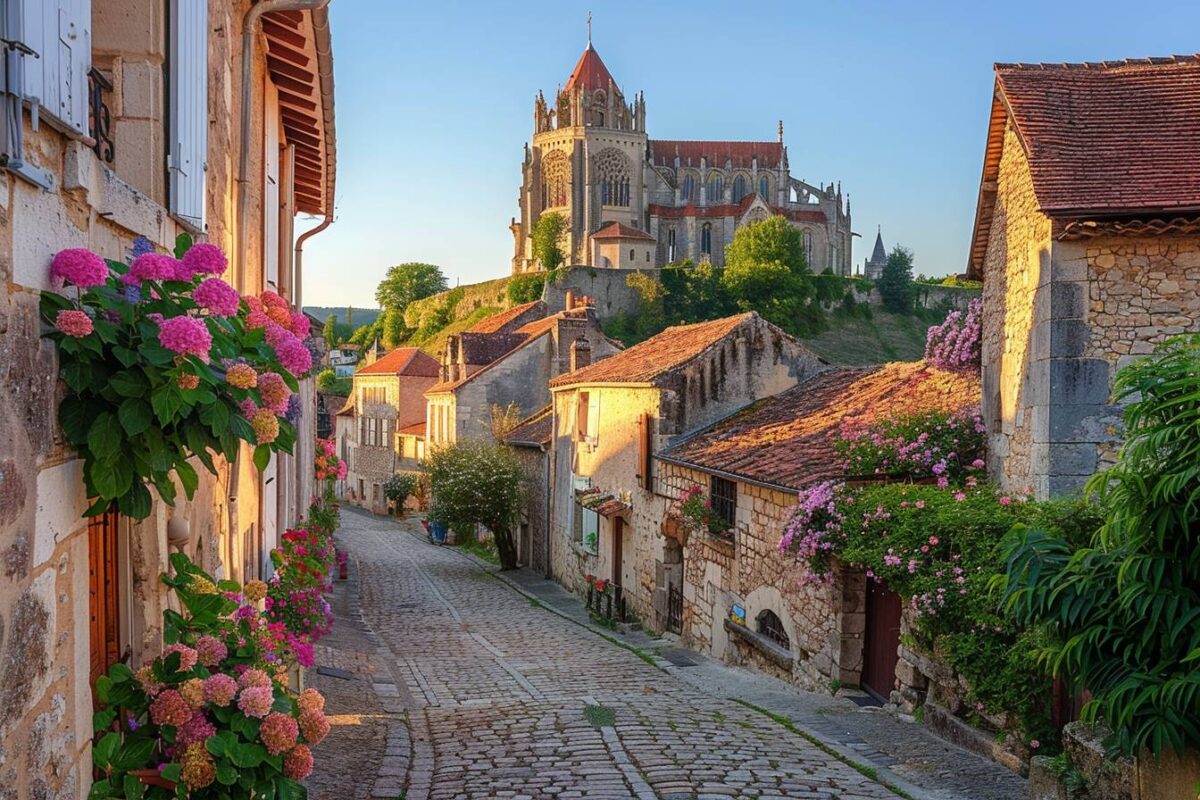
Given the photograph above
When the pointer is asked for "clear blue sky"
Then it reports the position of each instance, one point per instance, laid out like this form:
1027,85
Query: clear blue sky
434,102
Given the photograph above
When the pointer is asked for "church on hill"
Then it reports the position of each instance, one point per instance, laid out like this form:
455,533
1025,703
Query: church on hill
636,202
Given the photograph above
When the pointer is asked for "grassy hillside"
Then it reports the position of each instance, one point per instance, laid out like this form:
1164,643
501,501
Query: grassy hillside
362,316
434,344
884,337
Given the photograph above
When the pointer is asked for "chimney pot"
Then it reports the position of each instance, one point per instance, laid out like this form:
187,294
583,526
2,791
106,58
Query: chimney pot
570,299
581,353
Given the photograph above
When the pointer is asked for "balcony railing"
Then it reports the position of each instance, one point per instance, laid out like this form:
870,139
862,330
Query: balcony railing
99,117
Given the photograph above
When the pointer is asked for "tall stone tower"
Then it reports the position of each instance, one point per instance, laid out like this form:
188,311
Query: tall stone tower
873,267
587,162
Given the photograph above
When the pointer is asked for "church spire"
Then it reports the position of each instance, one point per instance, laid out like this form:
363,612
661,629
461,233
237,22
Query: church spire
589,30
879,254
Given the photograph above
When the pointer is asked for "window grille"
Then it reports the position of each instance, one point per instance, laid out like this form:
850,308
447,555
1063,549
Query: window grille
724,499
771,626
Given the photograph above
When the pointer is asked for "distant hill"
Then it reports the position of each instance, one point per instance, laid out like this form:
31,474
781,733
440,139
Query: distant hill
361,316
884,337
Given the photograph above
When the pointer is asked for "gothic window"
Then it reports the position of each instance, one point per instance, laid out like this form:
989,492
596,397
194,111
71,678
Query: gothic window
716,190
808,250
739,188
670,245
771,626
632,255
556,178
764,187
689,191
613,170
706,239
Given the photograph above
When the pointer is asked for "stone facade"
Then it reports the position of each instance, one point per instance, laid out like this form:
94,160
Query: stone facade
1061,315
592,161
47,650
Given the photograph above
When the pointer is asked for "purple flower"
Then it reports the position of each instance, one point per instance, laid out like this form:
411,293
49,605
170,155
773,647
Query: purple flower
132,294
293,409
141,246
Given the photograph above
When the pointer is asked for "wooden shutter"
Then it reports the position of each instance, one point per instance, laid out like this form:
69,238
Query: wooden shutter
646,452
103,605
56,82
581,416
187,72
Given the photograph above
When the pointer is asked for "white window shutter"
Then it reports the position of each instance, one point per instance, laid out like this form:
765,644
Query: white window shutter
188,75
56,82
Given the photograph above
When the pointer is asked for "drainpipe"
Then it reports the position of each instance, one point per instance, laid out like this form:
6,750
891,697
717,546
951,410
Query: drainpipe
250,26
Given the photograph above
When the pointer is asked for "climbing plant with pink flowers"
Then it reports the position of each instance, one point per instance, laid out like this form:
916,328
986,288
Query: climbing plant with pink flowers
163,362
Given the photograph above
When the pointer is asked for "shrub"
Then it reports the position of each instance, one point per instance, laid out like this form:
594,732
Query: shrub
936,444
400,487
525,288
956,343
476,482
1123,609
329,383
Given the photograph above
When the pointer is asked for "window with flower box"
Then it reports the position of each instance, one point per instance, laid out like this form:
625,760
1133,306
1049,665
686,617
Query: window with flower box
724,499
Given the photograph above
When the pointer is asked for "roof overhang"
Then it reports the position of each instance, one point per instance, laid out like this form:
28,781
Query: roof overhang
300,63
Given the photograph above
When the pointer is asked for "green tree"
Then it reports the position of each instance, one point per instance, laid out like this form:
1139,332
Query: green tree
476,482
405,283
329,331
394,331
547,234
329,383
773,240
765,271
525,288
895,283
1124,610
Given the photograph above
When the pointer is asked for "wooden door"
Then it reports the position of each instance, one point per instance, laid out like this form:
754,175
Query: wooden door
881,648
618,528
103,587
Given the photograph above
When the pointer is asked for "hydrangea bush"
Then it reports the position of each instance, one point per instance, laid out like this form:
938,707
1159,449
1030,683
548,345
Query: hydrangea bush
955,344
212,716
164,362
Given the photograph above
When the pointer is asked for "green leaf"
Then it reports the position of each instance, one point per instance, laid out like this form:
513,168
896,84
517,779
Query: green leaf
135,415
100,790
241,428
216,416
104,436
75,418
126,356
187,477
134,789
134,754
154,353
52,303
104,750
183,243
215,745
166,401
136,502
102,688
102,719
171,771
227,775
77,374
120,673
288,789
248,756
262,456
165,486
129,383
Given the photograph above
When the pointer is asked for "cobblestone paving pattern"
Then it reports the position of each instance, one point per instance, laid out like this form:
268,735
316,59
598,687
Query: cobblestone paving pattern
475,692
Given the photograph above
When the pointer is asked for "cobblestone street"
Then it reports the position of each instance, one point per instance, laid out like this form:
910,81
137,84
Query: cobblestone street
444,682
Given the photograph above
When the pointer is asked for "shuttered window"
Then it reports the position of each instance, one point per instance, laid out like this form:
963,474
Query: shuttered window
56,82
581,417
646,452
188,78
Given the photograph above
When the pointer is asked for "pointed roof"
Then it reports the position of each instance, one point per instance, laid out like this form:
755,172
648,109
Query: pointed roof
879,254
590,73
403,361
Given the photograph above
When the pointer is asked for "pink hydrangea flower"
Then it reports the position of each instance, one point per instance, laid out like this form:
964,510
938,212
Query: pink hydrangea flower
205,259
242,376
256,701
342,470
152,267
187,656
79,266
220,689
294,357
301,325
310,700
314,725
274,391
186,335
298,763
279,733
212,650
75,324
257,318
196,729
217,296
276,334
169,708
272,300
254,677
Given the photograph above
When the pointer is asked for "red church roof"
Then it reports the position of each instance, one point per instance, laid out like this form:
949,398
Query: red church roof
590,73
741,155
615,230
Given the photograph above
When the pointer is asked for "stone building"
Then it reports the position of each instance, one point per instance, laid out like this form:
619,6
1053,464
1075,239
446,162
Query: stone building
530,440
1087,239
873,266
388,397
139,133
611,418
752,464
593,161
505,361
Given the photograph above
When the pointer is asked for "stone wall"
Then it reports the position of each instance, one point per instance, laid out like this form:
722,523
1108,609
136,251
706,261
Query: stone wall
607,287
533,544
1016,267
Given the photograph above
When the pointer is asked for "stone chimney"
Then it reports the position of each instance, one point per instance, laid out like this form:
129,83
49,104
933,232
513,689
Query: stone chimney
570,301
581,353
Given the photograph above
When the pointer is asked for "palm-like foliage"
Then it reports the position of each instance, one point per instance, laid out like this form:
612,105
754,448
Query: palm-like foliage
1126,609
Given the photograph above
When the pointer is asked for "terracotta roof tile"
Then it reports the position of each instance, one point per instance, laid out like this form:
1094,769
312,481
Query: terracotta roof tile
648,360
733,210
1109,138
590,72
416,429
615,230
402,361
787,440
536,429
739,154
498,322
